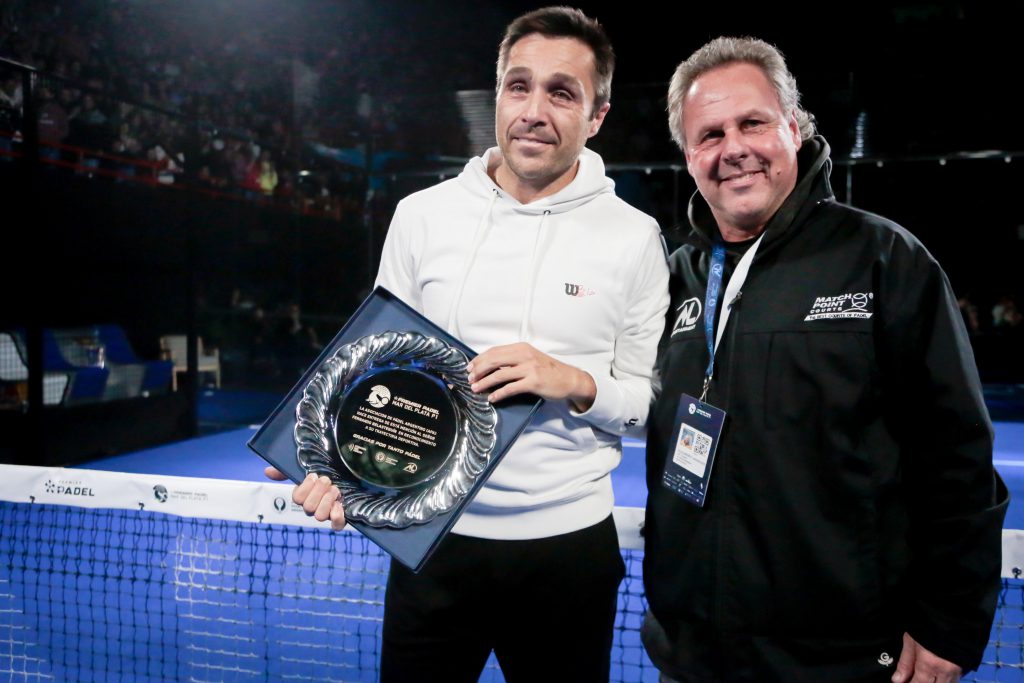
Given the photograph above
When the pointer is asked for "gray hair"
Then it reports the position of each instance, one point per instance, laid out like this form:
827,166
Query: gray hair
723,51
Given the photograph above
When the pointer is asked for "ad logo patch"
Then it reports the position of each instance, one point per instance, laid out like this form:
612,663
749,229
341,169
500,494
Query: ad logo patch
689,314
849,305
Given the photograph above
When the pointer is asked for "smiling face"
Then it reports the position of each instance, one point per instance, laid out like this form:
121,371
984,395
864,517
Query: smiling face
544,114
740,147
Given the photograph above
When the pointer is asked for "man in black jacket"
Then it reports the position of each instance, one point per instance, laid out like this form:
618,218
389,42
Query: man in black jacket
822,501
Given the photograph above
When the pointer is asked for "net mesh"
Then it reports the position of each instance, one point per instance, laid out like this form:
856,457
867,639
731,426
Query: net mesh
126,595
133,595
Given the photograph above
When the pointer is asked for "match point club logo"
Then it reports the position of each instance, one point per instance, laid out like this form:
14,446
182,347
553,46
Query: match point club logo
849,305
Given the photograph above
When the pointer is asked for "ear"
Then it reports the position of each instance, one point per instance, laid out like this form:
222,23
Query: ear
794,129
598,119
686,156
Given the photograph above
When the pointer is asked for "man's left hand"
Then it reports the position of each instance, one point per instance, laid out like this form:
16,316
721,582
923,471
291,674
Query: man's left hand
521,369
919,665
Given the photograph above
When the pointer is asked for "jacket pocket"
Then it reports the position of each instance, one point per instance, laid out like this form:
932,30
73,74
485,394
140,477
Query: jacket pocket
822,415
819,380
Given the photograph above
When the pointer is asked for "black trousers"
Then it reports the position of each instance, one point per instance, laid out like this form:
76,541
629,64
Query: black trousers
545,606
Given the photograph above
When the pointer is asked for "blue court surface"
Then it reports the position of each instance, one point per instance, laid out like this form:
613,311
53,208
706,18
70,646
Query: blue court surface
1009,461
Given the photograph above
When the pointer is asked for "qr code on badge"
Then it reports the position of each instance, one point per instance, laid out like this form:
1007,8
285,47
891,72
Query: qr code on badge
694,441
701,444
693,450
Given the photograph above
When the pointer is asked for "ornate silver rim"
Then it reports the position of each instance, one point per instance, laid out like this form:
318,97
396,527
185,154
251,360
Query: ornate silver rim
475,442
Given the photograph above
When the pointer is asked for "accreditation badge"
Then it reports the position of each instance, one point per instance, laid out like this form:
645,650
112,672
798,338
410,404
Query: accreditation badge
691,452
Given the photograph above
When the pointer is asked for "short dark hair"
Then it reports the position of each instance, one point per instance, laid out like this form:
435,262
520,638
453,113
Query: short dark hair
565,22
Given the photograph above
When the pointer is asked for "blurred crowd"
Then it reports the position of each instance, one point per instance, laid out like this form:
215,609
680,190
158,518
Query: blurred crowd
262,343
1005,316
290,100
123,85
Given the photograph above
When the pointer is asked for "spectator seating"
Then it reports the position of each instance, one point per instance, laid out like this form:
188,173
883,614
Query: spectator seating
107,346
157,375
82,365
88,376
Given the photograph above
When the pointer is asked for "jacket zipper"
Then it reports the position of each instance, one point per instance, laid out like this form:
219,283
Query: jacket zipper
725,389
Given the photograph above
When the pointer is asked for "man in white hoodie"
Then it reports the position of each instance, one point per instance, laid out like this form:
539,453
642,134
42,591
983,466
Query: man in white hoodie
529,254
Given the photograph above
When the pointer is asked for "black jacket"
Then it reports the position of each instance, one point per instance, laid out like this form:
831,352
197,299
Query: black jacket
853,496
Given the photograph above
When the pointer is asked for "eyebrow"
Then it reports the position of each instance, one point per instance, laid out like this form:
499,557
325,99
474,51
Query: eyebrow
522,72
753,112
517,72
757,113
568,79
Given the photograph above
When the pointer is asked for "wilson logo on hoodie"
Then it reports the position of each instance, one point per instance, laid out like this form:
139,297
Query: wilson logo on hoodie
578,290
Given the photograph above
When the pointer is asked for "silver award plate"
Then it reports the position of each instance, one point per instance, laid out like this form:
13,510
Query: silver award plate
390,418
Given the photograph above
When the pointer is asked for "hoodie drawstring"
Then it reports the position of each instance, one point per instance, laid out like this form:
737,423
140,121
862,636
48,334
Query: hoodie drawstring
482,228
535,259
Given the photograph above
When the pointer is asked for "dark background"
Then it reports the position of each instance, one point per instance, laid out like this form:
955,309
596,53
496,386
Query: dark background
918,100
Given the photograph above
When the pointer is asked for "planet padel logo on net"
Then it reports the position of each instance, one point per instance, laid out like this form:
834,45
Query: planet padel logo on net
65,487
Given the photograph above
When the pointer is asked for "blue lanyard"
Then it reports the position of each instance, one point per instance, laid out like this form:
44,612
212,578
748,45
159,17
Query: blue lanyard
711,308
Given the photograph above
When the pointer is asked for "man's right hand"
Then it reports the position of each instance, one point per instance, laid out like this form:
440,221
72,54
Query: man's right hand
317,496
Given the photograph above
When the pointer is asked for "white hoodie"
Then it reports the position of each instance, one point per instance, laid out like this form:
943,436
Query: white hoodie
581,276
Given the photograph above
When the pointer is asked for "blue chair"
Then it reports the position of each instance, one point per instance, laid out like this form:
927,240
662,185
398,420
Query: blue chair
87,381
83,348
156,374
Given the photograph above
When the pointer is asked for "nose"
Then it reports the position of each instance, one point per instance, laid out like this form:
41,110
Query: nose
535,108
734,146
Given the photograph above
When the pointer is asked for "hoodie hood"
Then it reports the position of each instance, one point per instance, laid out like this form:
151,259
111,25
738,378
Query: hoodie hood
812,188
590,181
